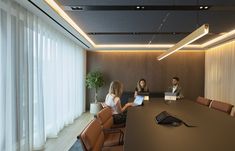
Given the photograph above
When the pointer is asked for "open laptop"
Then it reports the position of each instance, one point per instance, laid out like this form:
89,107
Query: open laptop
145,95
138,100
170,96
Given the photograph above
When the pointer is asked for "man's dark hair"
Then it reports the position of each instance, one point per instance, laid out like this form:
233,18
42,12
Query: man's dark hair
176,78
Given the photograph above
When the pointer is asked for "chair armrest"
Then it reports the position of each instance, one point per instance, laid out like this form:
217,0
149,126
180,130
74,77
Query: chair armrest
116,130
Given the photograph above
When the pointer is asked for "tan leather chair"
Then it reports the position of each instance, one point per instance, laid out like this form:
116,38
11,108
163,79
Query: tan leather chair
203,101
92,138
104,105
111,132
106,118
221,106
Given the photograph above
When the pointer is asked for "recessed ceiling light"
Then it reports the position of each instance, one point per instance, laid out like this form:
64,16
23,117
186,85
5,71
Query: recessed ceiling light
137,7
206,7
201,7
142,7
76,8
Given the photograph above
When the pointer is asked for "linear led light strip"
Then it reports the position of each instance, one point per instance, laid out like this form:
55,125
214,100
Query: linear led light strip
198,33
141,46
218,39
141,50
60,11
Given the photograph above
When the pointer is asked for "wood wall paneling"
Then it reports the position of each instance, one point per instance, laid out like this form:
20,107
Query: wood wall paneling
129,67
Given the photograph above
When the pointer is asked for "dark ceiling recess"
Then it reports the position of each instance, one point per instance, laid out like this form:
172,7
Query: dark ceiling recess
35,5
149,21
138,33
142,33
142,8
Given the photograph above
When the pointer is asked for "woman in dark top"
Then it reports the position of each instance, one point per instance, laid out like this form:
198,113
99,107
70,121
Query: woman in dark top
141,87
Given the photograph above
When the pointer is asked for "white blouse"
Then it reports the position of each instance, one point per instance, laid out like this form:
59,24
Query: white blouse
109,100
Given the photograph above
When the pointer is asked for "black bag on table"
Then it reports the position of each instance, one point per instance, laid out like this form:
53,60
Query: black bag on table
166,119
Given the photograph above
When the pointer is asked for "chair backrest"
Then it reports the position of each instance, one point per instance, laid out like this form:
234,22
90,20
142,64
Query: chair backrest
92,136
221,106
105,117
203,101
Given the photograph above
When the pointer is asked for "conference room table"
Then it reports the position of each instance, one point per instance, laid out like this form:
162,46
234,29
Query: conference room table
214,131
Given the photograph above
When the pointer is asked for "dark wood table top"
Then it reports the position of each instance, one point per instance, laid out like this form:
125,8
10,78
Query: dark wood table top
215,130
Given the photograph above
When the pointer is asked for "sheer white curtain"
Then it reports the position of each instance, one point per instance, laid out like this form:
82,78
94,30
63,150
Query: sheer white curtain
63,70
41,79
16,80
220,73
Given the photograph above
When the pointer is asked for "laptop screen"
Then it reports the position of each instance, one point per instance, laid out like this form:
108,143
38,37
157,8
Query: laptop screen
138,100
143,93
170,94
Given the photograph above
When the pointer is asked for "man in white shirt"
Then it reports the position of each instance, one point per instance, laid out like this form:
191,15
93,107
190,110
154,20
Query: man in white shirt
175,88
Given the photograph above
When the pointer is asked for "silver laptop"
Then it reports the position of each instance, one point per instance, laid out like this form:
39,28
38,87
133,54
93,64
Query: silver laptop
170,96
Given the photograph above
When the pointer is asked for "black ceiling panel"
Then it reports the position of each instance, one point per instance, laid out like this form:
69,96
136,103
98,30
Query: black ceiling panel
147,2
118,26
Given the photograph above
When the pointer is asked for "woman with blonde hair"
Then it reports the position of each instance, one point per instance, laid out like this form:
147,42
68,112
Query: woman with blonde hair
113,101
141,87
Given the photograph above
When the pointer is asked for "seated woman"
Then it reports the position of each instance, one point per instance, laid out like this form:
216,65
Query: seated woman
141,87
113,101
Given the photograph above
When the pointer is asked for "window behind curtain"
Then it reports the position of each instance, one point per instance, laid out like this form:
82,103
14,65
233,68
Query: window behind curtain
41,79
